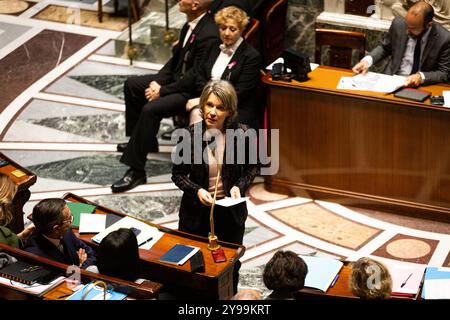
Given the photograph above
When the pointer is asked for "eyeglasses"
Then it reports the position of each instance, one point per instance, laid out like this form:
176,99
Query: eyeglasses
69,220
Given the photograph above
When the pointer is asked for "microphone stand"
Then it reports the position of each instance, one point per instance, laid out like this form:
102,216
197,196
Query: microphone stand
213,245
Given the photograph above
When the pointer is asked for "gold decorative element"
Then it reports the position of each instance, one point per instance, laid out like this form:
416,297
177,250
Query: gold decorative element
213,245
130,51
169,37
99,283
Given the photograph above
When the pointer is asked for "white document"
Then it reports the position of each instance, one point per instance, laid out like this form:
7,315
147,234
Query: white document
437,289
372,81
406,277
146,231
228,202
446,95
92,223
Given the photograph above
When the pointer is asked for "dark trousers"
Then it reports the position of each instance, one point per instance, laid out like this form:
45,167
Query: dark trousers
143,118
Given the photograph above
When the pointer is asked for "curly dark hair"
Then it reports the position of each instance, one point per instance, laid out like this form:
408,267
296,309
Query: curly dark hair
286,272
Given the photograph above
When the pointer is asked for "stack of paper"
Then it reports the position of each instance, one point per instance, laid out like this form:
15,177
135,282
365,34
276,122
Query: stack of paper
372,81
436,284
76,209
321,271
406,277
35,289
148,235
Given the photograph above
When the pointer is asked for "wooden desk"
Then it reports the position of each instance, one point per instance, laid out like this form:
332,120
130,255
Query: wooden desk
215,283
360,148
146,290
341,289
23,192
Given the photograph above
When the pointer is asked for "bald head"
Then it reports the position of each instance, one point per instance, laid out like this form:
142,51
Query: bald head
247,294
419,18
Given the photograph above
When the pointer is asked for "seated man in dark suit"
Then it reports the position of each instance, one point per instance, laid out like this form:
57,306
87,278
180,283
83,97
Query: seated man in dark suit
53,237
418,48
150,98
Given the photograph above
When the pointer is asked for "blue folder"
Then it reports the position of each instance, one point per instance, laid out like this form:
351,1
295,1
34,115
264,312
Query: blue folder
433,273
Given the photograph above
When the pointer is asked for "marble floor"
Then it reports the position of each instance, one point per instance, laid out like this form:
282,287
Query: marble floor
62,114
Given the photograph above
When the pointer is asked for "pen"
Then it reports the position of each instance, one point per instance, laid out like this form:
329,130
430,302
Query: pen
403,284
64,296
334,281
148,240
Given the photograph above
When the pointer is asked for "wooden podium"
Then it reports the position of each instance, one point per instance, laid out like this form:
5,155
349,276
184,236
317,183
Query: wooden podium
360,148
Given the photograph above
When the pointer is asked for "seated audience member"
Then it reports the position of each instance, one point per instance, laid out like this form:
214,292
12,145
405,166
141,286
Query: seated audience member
285,274
8,190
234,60
247,294
118,256
150,98
418,47
53,237
379,286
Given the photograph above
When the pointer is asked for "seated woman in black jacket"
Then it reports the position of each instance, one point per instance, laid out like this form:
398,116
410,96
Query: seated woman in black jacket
234,60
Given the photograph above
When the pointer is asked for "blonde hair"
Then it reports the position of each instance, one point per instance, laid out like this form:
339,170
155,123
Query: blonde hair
225,92
362,286
8,190
234,13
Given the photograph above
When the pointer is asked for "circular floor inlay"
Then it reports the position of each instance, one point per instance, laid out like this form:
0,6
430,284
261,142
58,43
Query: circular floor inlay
408,248
12,6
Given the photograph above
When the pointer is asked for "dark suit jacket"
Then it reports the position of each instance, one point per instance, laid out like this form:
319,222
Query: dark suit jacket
435,59
171,76
39,245
190,177
242,72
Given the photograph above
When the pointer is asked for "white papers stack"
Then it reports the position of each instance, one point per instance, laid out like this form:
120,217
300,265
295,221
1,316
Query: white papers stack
321,271
372,81
92,223
406,277
229,202
437,283
36,289
146,232
446,95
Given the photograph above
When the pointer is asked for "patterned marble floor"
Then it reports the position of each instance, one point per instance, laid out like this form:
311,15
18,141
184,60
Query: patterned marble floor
62,114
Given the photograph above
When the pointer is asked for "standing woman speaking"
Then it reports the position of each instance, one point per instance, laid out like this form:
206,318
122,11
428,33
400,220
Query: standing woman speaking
218,106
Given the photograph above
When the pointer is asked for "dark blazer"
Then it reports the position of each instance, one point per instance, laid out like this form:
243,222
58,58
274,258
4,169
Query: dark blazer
190,177
242,72
435,59
39,245
172,74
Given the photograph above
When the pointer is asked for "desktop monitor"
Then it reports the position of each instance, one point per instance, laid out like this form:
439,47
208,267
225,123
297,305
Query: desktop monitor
298,63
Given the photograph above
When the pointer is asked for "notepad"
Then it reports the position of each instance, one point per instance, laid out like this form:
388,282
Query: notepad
76,209
436,284
321,271
179,254
406,277
92,223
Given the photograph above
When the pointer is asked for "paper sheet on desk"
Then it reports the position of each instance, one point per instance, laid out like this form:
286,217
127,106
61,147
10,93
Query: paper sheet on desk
446,95
228,202
372,81
155,238
437,289
146,231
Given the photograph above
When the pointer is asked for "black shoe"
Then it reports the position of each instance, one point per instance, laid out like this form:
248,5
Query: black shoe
122,146
130,180
168,134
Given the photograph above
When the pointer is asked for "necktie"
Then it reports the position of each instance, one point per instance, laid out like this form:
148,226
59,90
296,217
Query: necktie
416,62
227,50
